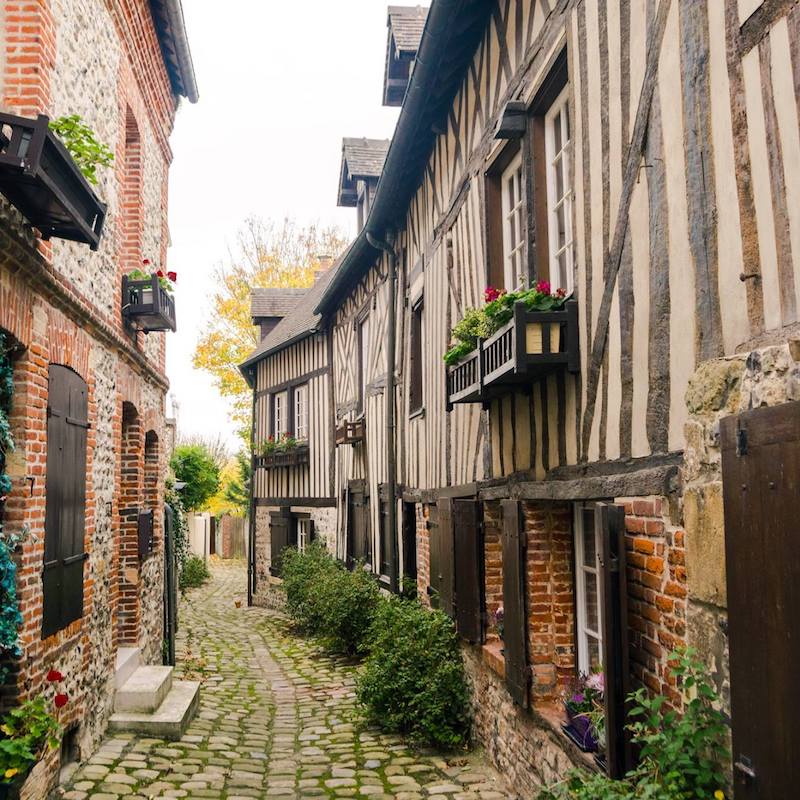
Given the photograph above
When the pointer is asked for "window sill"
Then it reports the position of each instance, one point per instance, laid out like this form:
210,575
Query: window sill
551,715
494,658
417,414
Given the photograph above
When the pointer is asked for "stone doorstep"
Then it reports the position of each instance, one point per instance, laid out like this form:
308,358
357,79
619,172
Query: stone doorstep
145,690
169,721
127,662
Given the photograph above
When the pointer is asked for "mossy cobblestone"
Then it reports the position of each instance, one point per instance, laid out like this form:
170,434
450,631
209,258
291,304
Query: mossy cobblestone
276,720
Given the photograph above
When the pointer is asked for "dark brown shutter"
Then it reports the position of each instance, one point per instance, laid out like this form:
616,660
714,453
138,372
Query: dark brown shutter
609,521
279,538
312,531
410,541
468,573
146,534
446,557
515,621
65,512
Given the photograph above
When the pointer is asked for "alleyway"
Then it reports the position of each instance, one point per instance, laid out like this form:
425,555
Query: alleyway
275,720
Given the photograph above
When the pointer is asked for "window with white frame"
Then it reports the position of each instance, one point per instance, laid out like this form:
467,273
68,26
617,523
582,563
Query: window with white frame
559,193
587,590
301,412
280,416
303,533
513,209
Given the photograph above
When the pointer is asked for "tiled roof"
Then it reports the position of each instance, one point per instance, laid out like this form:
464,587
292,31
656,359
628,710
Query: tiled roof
274,302
407,24
364,157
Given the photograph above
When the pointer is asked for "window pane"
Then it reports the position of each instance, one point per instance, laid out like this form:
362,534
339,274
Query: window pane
592,602
565,117
561,227
557,133
559,170
589,554
595,658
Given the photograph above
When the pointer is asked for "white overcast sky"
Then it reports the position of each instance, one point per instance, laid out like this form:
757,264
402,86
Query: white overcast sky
280,84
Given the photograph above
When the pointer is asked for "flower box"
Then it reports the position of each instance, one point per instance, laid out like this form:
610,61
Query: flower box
40,178
465,379
351,432
147,305
284,458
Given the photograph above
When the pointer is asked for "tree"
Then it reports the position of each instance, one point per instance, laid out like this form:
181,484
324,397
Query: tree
215,446
194,466
237,492
268,255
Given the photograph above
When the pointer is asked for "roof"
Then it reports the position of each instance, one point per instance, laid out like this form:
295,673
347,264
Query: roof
407,24
302,321
452,33
171,30
274,302
362,159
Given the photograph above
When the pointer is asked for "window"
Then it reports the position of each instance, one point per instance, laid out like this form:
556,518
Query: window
279,414
513,210
65,510
559,192
303,533
587,598
301,412
416,388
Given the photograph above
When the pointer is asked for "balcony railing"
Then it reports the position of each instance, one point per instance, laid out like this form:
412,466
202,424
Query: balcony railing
147,305
40,178
293,457
351,432
529,346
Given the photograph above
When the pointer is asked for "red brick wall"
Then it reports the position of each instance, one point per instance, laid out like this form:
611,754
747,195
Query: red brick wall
493,565
423,553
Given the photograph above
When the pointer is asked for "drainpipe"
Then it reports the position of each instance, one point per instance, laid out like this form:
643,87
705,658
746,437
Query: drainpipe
251,533
387,246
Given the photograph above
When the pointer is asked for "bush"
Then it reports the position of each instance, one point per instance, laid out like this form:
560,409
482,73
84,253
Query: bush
195,466
326,599
195,573
413,679
679,754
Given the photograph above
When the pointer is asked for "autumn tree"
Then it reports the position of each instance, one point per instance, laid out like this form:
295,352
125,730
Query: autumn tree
267,255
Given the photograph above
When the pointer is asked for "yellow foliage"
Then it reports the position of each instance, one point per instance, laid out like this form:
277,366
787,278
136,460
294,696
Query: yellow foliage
267,256
218,504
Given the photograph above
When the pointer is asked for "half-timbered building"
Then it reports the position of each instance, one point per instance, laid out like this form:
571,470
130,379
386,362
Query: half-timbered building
293,500
608,471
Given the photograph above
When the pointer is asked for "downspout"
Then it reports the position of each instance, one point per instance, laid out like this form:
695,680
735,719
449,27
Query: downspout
387,246
251,532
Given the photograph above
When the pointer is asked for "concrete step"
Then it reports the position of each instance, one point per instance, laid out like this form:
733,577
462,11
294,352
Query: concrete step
127,662
171,718
144,691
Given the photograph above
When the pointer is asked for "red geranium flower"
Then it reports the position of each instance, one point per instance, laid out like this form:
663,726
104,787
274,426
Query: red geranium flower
543,287
160,274
61,700
54,676
146,262
561,293
490,294
173,276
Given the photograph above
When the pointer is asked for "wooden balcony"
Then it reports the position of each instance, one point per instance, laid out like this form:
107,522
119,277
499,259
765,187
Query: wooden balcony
528,347
294,457
351,432
147,305
40,178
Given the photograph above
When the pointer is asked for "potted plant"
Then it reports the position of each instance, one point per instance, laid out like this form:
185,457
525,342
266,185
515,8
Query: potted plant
499,626
583,705
29,733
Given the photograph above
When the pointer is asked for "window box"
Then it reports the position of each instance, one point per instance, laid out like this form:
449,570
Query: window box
529,346
351,432
147,305
40,178
285,458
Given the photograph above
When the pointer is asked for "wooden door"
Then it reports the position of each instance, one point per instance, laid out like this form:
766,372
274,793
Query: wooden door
446,559
468,569
515,621
761,490
358,539
279,539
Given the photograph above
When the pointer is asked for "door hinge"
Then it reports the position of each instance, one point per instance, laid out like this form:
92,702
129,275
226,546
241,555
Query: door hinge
741,441
744,767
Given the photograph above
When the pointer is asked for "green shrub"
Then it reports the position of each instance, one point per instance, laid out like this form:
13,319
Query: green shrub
195,573
679,754
413,679
302,575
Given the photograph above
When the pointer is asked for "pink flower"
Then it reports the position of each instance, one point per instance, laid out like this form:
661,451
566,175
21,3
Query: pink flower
61,700
54,676
543,287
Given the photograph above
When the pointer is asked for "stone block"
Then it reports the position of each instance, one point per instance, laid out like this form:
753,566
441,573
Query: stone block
705,543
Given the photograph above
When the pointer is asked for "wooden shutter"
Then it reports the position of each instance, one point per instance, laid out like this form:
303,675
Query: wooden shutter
515,621
279,538
386,561
65,511
312,531
146,530
761,497
446,557
410,540
609,521
468,572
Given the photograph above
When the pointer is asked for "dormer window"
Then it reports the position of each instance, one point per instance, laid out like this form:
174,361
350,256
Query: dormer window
362,163
405,24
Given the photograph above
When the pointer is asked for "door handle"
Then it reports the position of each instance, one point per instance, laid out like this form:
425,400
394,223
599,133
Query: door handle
744,766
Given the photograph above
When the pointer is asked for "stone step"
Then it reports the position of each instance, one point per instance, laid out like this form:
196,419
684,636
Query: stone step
171,718
127,662
144,691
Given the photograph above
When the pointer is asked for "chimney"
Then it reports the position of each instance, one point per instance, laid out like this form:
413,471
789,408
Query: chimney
325,263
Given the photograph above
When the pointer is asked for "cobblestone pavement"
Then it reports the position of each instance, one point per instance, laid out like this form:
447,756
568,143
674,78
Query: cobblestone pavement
276,719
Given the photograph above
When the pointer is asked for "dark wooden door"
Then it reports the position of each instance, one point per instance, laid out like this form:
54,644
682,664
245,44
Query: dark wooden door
515,620
170,587
65,509
446,558
212,537
279,539
761,489
358,539
468,569
410,541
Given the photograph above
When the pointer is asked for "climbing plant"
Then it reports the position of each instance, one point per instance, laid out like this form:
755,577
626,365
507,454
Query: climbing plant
87,151
10,615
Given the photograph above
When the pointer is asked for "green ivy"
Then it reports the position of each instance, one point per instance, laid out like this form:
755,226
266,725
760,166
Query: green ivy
27,731
82,144
680,755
